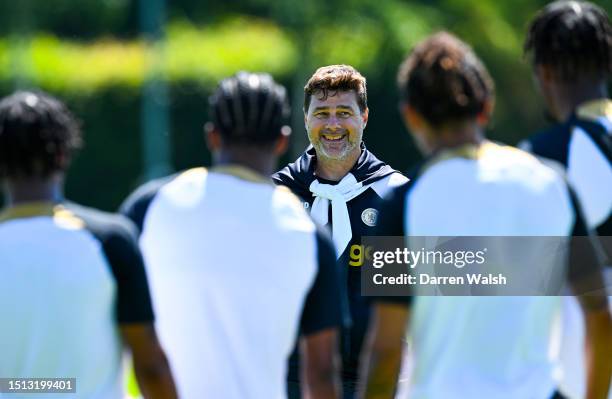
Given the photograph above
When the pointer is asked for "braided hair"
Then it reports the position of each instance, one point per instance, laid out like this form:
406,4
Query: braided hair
249,108
572,37
444,80
38,135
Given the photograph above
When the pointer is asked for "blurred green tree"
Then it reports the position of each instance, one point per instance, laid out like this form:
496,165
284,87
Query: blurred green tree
91,54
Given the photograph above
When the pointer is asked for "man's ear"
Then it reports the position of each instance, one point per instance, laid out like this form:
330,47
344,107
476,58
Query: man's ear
413,120
212,137
364,116
544,73
282,143
63,160
487,110
418,127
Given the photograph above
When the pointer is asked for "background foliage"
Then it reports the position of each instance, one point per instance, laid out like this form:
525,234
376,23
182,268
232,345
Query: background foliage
91,53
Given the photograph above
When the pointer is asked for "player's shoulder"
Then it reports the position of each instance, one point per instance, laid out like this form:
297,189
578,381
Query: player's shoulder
296,179
530,175
284,176
103,225
390,182
505,165
516,164
145,193
397,186
544,136
550,143
184,185
499,153
137,203
289,212
395,198
282,195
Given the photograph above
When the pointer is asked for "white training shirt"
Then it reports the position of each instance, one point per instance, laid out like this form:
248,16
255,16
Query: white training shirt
231,261
68,277
483,347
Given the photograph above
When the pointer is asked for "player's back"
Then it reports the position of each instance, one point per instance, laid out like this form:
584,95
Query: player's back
493,347
230,259
57,298
581,148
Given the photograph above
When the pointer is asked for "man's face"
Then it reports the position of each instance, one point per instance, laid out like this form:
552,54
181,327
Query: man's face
335,125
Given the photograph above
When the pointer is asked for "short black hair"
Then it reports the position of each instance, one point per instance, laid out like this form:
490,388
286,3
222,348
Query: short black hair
572,37
38,135
249,108
444,80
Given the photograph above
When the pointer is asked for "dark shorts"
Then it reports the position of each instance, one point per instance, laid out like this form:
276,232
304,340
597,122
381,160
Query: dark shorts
558,395
293,390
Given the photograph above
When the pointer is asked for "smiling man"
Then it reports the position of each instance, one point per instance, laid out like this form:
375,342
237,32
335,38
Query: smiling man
339,181
229,309
335,128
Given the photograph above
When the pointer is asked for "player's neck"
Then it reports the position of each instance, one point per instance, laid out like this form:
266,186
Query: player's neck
257,160
571,96
24,190
334,169
456,136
